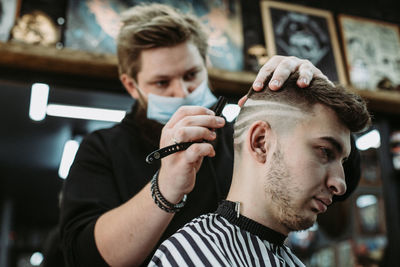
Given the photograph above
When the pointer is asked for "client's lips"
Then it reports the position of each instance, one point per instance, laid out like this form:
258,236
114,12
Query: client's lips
322,203
326,201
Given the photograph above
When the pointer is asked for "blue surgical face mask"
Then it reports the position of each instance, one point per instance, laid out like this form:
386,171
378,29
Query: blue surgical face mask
161,108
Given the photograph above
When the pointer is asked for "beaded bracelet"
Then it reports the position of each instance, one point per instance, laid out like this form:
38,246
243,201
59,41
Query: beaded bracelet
159,199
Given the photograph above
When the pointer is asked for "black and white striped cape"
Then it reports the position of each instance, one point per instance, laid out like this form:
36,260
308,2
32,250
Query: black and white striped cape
223,239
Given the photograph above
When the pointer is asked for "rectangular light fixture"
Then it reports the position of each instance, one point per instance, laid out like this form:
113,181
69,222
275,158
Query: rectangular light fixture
78,112
68,156
38,102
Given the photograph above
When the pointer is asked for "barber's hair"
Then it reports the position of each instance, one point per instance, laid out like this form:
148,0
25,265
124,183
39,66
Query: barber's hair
155,25
350,108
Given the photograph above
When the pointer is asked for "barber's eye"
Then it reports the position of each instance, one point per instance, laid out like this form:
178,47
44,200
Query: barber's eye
190,76
162,84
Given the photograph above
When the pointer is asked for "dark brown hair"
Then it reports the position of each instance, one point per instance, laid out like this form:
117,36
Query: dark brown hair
350,108
151,26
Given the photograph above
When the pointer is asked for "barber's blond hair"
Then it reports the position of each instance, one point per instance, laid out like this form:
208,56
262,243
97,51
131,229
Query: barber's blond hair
151,26
350,108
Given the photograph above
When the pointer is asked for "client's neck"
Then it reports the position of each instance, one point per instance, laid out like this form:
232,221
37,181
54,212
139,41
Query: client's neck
248,188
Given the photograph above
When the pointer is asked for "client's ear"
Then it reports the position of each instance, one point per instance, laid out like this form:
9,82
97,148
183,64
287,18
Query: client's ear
257,140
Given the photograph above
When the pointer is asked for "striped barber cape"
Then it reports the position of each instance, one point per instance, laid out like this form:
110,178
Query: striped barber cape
223,239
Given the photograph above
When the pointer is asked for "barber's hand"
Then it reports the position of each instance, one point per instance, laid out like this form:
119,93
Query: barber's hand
177,174
282,67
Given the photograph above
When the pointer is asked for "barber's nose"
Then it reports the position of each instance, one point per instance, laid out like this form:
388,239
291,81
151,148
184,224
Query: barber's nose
336,182
181,88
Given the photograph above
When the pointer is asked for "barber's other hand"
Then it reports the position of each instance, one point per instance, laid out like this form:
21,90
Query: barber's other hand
282,67
177,174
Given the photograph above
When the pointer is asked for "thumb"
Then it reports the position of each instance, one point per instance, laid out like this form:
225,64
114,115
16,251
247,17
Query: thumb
242,101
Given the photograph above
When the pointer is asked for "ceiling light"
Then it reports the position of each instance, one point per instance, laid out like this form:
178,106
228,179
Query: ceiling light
371,139
365,201
68,156
38,103
87,113
36,259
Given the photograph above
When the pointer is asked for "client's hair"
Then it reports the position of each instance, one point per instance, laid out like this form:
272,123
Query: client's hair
281,106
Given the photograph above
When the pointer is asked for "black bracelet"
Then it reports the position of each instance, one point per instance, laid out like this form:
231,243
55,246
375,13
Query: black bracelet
158,203
159,199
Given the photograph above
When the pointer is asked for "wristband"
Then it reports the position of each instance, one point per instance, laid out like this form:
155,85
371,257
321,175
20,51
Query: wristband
159,199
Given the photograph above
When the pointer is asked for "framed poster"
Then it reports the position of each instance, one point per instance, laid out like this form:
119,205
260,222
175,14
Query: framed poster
345,254
8,12
370,217
93,25
309,33
372,51
324,257
370,250
370,168
395,149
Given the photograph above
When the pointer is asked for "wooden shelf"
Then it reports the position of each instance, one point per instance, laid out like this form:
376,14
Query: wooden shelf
60,61
80,63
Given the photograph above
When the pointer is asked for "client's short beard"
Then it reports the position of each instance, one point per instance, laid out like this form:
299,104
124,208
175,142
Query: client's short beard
279,185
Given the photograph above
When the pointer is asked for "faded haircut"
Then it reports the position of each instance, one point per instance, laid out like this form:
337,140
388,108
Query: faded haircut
282,107
149,26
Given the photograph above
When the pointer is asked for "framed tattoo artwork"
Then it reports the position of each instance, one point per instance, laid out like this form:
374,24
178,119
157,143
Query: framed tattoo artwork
8,12
324,256
294,30
370,168
370,250
395,149
370,217
93,25
372,51
345,254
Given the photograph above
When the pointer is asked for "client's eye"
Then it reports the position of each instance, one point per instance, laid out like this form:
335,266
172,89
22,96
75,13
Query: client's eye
326,154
